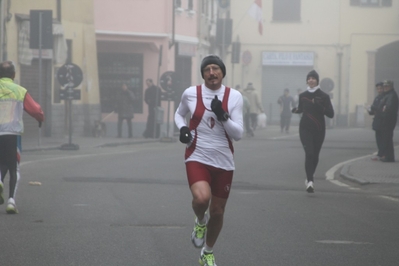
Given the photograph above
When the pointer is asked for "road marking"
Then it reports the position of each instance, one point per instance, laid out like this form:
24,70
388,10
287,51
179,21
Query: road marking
389,198
342,242
247,192
284,137
80,156
331,172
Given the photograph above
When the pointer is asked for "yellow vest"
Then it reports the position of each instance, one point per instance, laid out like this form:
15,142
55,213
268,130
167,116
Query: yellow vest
11,107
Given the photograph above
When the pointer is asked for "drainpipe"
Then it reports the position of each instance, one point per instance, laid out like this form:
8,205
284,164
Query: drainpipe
339,54
1,31
172,42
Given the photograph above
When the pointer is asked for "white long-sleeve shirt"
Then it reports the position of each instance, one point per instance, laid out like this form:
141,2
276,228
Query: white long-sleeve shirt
212,139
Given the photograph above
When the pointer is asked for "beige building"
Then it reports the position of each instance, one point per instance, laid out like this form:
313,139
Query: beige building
72,24
352,44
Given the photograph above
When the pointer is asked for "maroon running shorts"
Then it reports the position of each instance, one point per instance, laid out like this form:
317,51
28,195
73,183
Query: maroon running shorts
219,179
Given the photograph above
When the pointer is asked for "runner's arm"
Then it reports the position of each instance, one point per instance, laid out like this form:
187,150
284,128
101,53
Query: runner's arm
33,108
181,112
234,125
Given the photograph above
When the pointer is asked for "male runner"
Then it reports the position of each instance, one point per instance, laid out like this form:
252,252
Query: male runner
216,120
14,99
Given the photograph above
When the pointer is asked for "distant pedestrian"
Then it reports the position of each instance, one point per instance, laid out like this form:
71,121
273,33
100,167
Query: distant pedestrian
152,98
14,99
314,104
255,106
389,105
286,102
375,109
125,109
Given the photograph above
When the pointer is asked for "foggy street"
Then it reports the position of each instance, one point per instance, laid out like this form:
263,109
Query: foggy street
131,205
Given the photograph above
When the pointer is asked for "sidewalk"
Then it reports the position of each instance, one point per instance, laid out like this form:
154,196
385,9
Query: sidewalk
55,143
366,171
362,170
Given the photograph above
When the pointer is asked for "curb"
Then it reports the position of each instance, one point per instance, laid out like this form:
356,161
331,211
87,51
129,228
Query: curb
110,144
345,174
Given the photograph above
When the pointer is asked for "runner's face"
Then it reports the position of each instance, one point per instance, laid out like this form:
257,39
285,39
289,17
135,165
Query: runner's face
213,76
312,82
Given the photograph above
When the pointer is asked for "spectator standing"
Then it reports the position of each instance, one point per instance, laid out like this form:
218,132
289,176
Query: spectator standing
286,102
389,105
216,120
14,100
314,104
254,105
124,107
152,98
376,110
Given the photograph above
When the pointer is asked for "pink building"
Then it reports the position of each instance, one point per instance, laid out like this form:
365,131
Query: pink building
137,40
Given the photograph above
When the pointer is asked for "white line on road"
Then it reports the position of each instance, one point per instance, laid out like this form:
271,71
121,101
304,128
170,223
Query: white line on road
389,198
331,172
343,242
80,156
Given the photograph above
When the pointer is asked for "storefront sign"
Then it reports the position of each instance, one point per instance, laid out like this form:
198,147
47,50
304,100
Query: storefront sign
287,58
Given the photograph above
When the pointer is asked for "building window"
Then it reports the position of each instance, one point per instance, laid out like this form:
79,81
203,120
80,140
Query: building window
190,5
371,3
287,10
177,3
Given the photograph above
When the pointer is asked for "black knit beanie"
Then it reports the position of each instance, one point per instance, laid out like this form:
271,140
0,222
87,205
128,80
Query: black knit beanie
313,74
212,59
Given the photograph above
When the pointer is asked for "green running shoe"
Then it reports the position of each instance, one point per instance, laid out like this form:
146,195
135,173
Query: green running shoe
207,259
198,235
1,193
199,232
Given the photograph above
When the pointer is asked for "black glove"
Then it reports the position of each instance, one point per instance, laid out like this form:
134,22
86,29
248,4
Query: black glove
294,110
216,106
185,135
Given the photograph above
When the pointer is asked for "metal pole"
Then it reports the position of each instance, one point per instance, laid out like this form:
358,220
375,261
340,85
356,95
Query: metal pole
167,125
232,76
157,93
40,70
70,115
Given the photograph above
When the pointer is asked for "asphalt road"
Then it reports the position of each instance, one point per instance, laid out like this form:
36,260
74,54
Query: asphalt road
131,206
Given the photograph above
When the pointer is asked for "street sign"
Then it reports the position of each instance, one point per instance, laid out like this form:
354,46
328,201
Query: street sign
327,84
70,94
70,75
167,81
246,57
41,25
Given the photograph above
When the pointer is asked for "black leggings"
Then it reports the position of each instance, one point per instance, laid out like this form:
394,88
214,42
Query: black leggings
8,160
312,140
